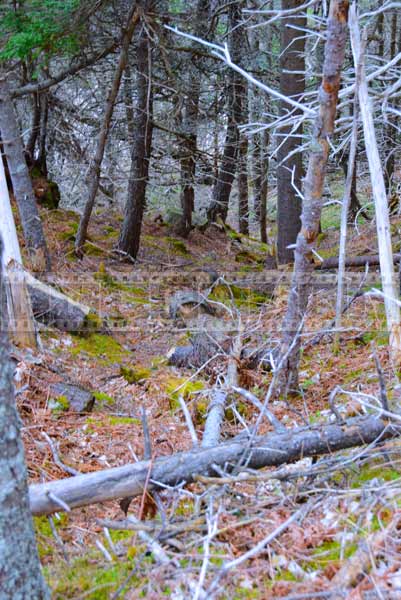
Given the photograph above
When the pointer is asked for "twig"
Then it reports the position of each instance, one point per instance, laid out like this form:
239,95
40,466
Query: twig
56,457
264,410
333,407
104,551
259,547
58,501
382,382
147,451
189,422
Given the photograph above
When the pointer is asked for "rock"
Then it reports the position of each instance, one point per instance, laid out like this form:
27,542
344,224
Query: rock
72,397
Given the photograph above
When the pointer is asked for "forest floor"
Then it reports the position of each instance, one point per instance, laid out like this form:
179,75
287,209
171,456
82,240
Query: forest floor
351,506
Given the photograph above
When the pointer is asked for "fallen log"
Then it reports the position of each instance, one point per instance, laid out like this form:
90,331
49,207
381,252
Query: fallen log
270,450
56,309
355,261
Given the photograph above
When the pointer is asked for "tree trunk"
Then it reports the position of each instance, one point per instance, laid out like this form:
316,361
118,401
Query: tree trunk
19,317
390,291
290,170
35,127
38,255
189,127
141,150
41,161
20,572
242,179
104,131
313,192
235,93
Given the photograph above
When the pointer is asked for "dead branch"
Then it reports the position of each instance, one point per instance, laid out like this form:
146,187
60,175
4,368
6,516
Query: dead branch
270,450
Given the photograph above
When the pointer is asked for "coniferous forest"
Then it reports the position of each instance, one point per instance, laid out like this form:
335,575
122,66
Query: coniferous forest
200,275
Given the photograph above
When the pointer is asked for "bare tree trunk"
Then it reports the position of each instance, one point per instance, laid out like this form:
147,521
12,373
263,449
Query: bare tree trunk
20,572
242,180
390,291
19,316
313,191
41,161
35,127
222,188
290,169
104,131
141,150
38,255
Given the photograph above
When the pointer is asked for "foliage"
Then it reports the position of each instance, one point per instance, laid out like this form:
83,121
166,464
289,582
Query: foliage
38,28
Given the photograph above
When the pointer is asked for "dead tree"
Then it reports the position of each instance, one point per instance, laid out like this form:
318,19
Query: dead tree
273,449
21,182
313,192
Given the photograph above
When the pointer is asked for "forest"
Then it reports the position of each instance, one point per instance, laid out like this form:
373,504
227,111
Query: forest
200,281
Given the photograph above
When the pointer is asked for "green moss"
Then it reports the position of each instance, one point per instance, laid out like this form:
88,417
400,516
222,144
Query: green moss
370,471
176,387
123,421
135,374
248,257
69,234
87,576
285,575
107,420
91,249
178,246
246,594
330,553
100,346
242,408
103,399
241,297
201,407
92,322
44,534
59,405
380,337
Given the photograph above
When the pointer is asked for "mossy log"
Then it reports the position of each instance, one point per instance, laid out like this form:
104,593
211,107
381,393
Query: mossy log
270,450
56,309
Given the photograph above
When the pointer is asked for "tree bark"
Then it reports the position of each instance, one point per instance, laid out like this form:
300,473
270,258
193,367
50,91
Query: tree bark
235,93
38,255
313,191
19,317
141,150
20,572
104,131
270,450
189,127
290,169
